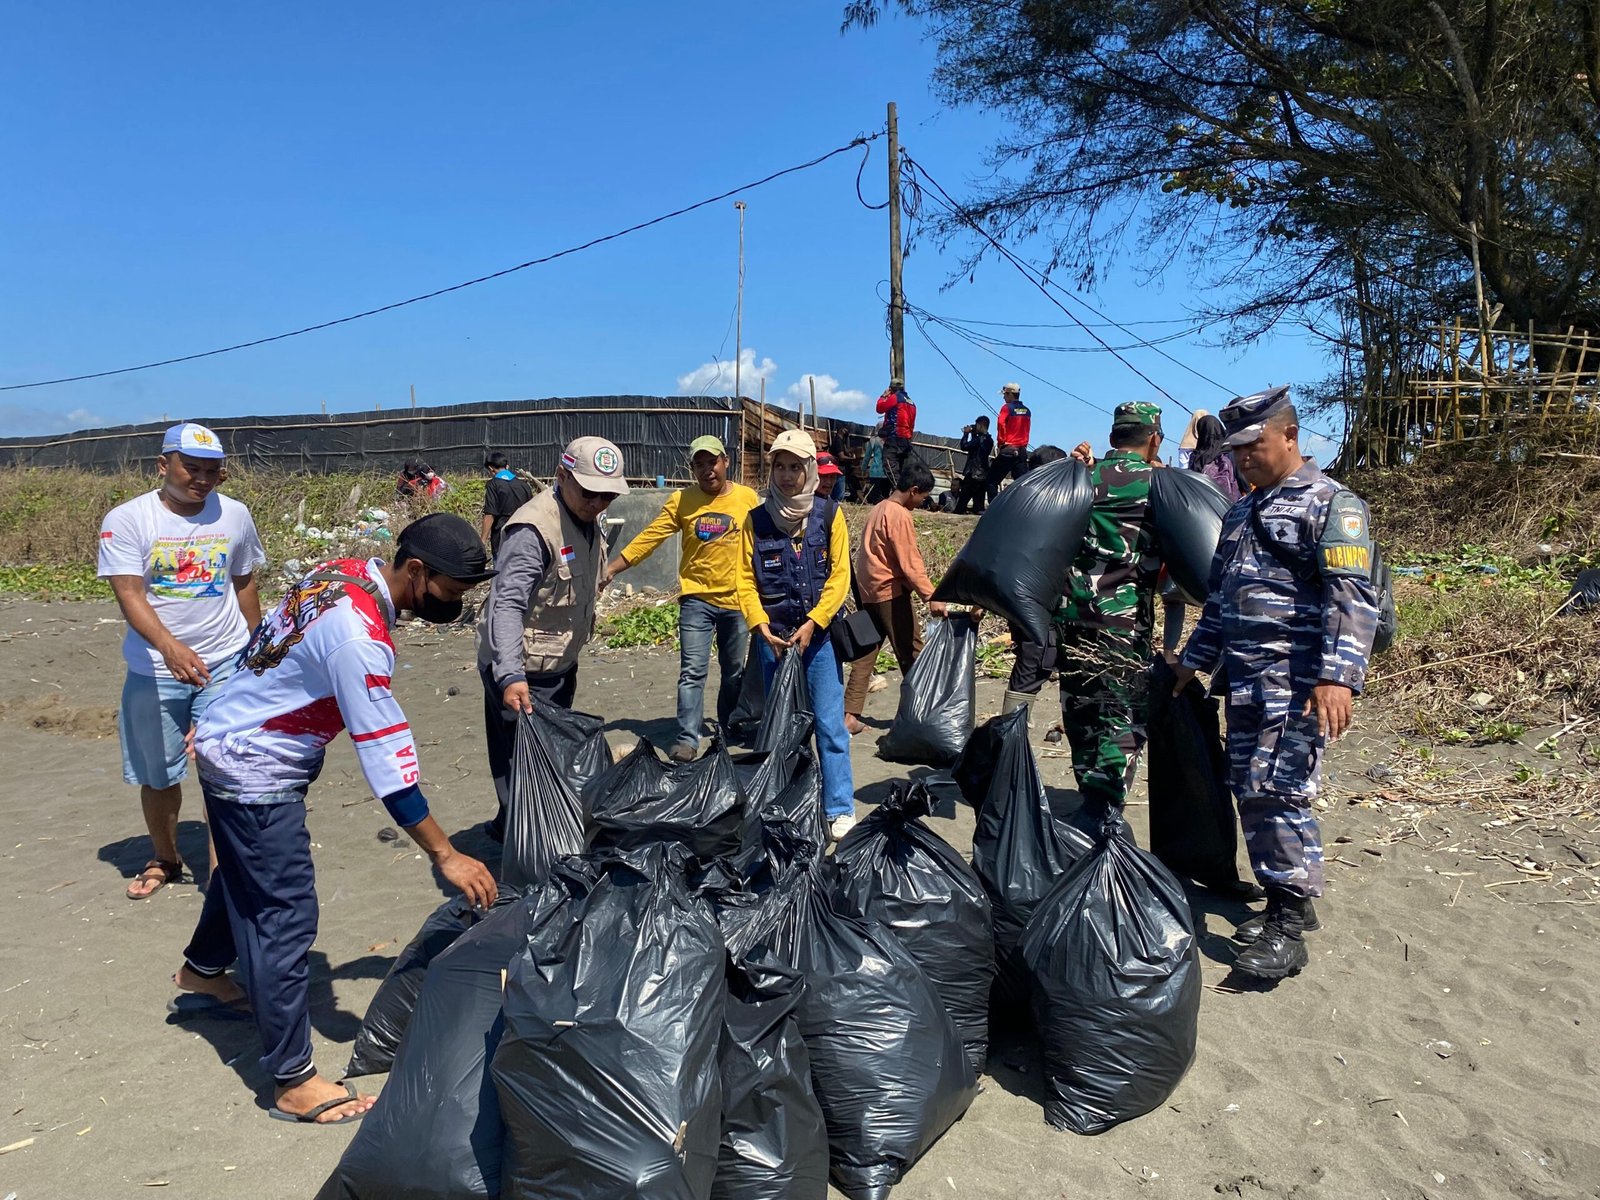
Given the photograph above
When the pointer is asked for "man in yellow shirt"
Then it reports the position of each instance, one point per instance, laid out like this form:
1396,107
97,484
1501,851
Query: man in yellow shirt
709,519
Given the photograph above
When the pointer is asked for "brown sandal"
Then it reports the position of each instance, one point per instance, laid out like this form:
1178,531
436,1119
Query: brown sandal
158,871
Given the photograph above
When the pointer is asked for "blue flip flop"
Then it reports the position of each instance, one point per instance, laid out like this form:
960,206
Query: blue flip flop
196,1005
309,1117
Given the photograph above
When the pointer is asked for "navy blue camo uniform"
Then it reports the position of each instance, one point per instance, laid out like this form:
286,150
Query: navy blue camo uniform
1291,604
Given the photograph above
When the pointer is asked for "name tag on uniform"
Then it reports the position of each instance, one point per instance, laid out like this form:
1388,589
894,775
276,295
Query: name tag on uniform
772,561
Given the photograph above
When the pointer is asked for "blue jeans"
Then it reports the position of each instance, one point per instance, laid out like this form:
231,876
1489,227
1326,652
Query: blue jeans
698,623
825,680
157,713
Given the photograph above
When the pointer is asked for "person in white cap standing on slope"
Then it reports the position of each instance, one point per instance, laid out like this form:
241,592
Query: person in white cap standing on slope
181,561
541,608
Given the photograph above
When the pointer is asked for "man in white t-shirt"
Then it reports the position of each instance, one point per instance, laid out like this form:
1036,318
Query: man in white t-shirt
182,562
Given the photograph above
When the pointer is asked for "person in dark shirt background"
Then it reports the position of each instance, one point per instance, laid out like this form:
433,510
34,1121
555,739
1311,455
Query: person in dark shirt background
978,446
505,492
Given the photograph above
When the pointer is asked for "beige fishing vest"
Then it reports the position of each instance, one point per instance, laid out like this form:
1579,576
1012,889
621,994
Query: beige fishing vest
561,612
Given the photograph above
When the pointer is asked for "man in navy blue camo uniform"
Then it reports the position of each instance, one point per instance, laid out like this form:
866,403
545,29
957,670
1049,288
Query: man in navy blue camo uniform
1287,630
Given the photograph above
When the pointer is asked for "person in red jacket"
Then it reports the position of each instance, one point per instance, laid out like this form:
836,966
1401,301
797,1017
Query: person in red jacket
1011,439
899,423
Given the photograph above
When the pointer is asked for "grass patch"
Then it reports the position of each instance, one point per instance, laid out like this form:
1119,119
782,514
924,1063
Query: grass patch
55,581
642,625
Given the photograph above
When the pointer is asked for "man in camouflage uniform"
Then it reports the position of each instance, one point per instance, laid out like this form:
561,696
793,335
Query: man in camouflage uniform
1287,630
1109,610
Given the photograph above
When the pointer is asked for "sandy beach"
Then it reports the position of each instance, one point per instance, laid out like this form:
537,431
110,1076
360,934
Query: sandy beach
1444,1042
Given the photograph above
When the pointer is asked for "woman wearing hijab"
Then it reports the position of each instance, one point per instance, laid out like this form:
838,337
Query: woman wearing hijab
1187,443
1211,457
794,574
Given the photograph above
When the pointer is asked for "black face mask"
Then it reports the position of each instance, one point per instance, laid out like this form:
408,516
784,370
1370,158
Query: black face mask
434,610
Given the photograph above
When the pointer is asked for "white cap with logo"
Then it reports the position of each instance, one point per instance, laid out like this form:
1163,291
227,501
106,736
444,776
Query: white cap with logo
194,440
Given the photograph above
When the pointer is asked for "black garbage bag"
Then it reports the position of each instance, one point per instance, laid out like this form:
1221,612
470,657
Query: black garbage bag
1585,594
396,998
751,705
1192,825
1021,846
763,775
786,697
643,800
1114,969
1017,559
893,869
577,742
607,1070
435,1132
1187,509
886,1060
544,815
774,1140
938,697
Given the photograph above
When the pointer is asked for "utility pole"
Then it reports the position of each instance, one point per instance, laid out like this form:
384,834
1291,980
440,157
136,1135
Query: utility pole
897,299
738,316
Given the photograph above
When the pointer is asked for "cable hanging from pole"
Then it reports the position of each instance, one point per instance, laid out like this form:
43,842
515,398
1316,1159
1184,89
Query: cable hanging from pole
860,140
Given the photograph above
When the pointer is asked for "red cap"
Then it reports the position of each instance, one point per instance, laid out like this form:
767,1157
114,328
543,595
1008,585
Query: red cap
826,465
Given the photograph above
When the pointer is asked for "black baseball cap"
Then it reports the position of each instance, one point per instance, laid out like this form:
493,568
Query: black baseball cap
449,545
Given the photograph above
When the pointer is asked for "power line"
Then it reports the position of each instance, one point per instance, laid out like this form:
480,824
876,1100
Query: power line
959,332
1044,282
861,140
952,322
965,382
1027,272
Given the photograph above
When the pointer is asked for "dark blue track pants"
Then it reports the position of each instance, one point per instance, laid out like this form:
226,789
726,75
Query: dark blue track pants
261,910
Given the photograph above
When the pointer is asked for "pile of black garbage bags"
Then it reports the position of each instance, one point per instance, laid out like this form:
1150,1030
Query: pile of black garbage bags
680,995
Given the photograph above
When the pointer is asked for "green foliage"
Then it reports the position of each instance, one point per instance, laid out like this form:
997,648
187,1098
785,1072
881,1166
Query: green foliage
645,625
994,660
1475,566
55,581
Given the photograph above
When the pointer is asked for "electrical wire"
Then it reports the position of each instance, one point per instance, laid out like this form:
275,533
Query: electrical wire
1016,366
1044,282
860,140
1027,272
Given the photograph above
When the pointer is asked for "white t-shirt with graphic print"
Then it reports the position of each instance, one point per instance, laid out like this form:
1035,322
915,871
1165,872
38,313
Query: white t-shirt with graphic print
188,565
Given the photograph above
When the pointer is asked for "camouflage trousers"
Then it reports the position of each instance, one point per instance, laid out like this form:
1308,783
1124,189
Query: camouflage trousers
1105,687
1275,758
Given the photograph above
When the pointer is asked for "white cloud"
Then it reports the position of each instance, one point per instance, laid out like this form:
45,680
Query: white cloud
830,396
20,420
716,378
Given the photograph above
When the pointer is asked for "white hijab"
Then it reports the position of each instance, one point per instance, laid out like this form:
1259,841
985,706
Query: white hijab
790,512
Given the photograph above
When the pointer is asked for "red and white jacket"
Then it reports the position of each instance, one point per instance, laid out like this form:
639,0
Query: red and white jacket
321,662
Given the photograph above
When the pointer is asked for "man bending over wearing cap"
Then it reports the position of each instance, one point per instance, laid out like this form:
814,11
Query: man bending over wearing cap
320,663
708,519
541,610
182,562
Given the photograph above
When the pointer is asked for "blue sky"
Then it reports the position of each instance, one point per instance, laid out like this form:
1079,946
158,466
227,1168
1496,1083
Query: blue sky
186,177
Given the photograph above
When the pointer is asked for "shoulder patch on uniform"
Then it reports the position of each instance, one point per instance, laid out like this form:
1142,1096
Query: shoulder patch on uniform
1345,547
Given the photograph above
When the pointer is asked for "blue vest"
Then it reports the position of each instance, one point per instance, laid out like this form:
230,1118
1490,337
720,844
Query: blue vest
790,584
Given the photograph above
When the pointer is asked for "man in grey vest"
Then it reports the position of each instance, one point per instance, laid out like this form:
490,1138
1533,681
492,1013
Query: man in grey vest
541,608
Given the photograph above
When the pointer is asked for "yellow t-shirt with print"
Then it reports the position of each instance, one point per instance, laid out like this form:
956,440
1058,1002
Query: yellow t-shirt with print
709,528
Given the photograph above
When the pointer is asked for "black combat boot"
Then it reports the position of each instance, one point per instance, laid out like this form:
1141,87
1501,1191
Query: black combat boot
1280,950
1249,932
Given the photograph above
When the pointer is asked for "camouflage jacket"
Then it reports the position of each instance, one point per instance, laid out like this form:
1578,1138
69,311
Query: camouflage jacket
1111,587
1283,616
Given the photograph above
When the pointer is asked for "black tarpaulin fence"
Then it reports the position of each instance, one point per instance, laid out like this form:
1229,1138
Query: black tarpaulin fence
653,433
